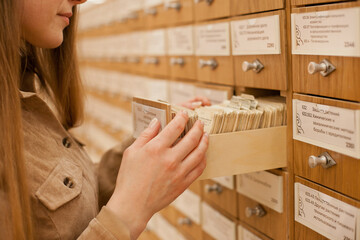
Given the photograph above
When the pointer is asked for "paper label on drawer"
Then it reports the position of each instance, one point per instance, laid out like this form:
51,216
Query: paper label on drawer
137,43
263,187
167,231
326,215
256,36
244,234
216,225
142,116
329,127
181,41
333,32
155,44
189,204
227,181
152,3
212,39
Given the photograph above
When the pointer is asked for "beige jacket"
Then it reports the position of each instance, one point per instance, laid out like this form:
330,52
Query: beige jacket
63,184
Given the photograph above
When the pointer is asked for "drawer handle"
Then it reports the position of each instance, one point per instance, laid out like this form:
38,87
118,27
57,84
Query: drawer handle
324,159
177,61
151,11
258,211
151,60
256,66
173,5
209,2
213,188
133,59
211,63
324,67
184,221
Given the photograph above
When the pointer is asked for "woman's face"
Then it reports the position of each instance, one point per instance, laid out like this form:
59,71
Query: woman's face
43,21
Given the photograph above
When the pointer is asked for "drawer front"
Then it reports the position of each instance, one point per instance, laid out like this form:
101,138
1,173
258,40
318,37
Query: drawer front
182,67
223,197
245,232
196,187
262,44
335,135
182,222
222,74
204,10
217,225
135,20
253,6
156,66
155,16
179,12
321,213
315,55
309,2
265,219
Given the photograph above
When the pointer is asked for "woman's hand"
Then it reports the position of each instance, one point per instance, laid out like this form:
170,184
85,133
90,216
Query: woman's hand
196,102
154,172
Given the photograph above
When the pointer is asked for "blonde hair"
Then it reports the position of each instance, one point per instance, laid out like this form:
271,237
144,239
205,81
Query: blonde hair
58,73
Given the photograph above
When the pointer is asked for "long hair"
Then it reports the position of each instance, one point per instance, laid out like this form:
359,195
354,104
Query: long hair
57,71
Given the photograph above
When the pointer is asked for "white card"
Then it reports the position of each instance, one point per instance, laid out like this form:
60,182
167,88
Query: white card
263,187
189,204
227,181
152,3
329,127
256,36
156,45
333,32
181,92
326,215
212,39
181,41
244,234
216,225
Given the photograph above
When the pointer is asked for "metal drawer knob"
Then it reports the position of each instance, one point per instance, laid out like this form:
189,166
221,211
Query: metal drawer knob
151,11
258,211
211,63
213,188
209,2
256,66
133,59
177,61
151,60
173,5
324,159
324,67
184,221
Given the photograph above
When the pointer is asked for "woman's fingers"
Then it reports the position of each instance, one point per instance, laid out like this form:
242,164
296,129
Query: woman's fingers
173,130
189,142
196,156
149,133
195,172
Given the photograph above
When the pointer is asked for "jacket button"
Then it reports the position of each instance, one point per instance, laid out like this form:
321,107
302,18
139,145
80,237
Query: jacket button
66,142
68,182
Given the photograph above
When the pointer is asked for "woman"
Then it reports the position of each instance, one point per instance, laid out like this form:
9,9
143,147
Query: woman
47,187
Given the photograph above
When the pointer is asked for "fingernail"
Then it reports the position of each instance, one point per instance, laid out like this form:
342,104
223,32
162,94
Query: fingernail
153,123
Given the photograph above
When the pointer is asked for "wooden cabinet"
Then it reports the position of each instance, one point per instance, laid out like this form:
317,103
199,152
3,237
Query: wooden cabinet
211,9
253,6
316,53
310,2
260,63
343,176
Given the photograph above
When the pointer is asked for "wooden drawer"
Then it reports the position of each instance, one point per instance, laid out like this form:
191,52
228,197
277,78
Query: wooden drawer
247,48
211,9
182,67
267,220
179,11
155,16
342,177
220,196
183,223
135,20
339,48
212,50
245,232
310,2
333,215
148,235
217,224
196,187
253,6
156,66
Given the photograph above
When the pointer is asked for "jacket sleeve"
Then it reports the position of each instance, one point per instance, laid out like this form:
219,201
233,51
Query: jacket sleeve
106,226
108,169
